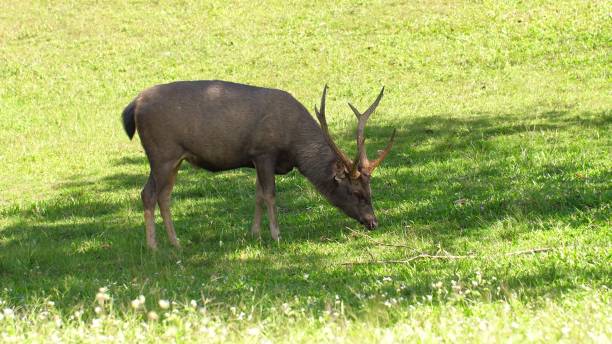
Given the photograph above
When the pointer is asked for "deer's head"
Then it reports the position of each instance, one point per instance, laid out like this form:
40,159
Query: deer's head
352,193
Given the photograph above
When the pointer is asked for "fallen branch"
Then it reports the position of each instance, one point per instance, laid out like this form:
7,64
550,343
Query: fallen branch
530,251
446,256
404,261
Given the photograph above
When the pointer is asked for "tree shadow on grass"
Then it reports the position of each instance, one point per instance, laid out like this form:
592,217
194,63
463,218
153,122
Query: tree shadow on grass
447,183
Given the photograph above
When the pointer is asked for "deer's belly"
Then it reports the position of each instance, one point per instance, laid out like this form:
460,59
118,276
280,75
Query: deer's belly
216,165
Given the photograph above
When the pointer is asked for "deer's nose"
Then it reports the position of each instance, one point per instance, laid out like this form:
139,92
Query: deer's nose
370,222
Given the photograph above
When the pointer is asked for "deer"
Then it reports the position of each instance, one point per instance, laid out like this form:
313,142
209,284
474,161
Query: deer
218,126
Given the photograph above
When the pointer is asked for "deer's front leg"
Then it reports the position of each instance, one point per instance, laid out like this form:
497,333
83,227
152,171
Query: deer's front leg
259,203
265,180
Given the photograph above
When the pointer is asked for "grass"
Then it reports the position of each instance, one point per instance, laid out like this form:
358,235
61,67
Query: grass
504,136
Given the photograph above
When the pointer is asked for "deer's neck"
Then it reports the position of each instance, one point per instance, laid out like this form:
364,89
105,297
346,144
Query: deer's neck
315,160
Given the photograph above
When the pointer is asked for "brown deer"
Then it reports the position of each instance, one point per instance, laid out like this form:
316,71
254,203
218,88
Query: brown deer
218,125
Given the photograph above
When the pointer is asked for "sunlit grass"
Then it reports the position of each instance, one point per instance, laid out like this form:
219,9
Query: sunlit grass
503,118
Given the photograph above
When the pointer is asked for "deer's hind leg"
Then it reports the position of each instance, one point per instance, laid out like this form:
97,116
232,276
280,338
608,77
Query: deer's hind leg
164,167
149,198
165,177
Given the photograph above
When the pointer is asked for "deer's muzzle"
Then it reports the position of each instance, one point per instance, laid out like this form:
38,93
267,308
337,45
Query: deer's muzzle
369,221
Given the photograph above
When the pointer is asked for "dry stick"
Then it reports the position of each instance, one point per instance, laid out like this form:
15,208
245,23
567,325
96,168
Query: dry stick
426,255
449,257
404,261
430,256
533,250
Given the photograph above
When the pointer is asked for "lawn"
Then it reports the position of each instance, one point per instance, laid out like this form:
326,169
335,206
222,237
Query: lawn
500,181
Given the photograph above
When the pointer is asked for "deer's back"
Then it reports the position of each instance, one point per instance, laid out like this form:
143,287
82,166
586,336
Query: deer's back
217,125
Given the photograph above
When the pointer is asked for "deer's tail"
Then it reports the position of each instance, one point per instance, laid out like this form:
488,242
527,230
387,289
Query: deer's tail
128,119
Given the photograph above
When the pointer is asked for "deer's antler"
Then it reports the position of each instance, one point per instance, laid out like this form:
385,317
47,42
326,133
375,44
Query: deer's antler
321,116
362,164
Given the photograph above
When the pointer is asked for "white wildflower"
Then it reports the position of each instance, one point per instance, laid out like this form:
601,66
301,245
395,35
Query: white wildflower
135,304
8,313
565,330
287,308
152,316
98,310
96,323
164,304
102,298
253,331
171,332
193,303
138,302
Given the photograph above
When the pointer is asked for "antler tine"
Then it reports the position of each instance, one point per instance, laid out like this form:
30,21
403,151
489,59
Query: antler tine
355,111
372,107
322,120
372,166
362,120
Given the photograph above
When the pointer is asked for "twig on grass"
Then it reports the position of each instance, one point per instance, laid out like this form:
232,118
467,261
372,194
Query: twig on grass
408,260
445,256
530,251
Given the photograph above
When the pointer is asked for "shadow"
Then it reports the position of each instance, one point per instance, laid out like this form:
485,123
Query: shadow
449,182
131,160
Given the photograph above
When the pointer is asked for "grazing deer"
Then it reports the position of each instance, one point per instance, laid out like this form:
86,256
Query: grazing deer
220,125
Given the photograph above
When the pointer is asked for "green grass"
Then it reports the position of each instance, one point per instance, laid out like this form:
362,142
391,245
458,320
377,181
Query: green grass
504,141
